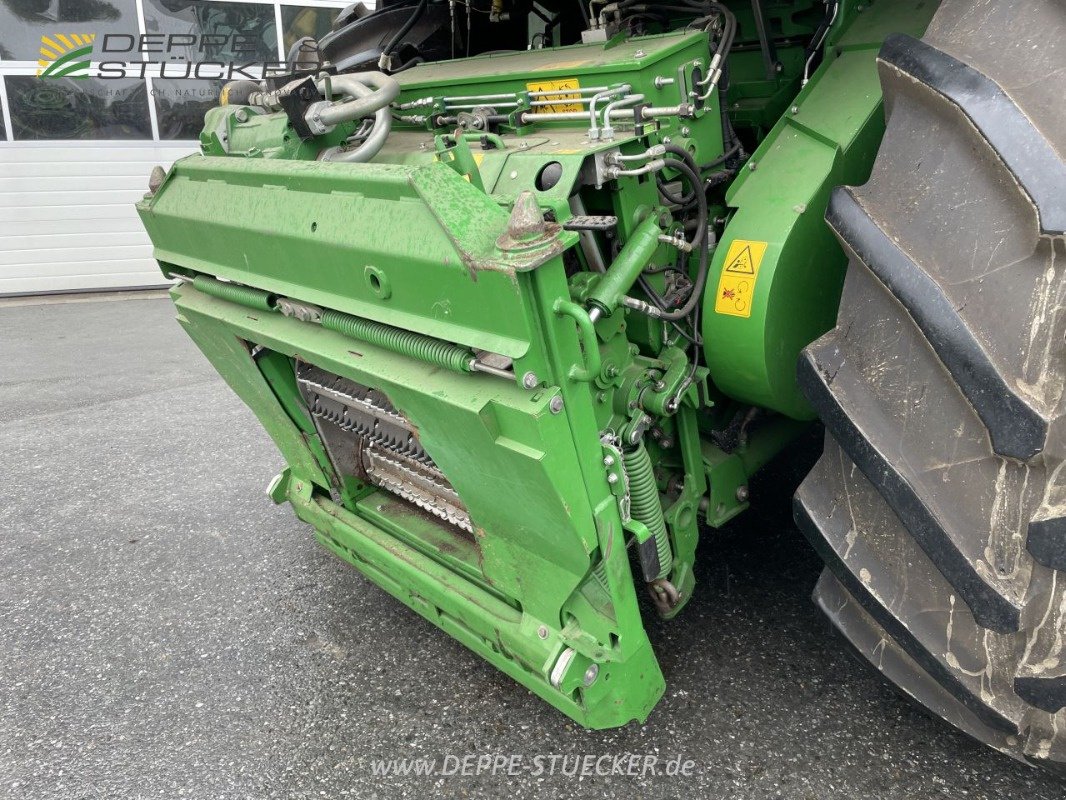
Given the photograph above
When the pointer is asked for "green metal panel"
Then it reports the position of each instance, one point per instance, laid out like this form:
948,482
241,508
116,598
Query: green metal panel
495,442
319,232
827,138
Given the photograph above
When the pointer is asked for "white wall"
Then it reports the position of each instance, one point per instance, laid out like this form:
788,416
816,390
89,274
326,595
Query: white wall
67,220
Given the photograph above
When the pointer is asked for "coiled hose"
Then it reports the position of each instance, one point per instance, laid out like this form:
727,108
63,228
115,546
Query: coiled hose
235,293
408,343
644,503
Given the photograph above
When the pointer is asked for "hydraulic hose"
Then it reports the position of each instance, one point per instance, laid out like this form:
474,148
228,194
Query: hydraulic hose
699,239
386,52
687,198
644,504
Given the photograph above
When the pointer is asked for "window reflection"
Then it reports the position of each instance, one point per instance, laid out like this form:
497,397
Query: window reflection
242,32
23,22
180,106
85,108
300,21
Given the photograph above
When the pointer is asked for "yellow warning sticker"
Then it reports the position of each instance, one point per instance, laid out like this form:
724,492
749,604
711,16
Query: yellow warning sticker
736,287
560,95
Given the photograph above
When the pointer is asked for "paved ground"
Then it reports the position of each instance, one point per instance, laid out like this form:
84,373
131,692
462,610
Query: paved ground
167,632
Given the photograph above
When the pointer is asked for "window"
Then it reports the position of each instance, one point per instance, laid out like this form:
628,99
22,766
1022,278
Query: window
300,21
84,108
24,22
157,101
180,106
243,32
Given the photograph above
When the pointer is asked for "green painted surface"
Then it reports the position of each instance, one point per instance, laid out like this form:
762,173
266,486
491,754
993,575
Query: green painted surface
394,274
828,137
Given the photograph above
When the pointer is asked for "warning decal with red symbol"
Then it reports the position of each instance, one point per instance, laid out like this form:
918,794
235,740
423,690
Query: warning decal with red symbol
736,286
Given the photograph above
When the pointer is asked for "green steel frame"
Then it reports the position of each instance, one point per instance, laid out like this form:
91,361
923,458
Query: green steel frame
415,265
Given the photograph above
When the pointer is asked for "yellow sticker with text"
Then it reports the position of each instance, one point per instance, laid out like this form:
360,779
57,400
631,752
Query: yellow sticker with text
736,287
560,95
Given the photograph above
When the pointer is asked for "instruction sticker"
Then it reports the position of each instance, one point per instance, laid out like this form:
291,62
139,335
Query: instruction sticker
736,287
559,94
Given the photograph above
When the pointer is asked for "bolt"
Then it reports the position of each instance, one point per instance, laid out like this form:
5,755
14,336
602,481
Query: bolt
751,166
530,380
591,673
659,386
742,494
555,405
685,131
795,110
667,442
612,479
542,631
514,174
608,460
639,54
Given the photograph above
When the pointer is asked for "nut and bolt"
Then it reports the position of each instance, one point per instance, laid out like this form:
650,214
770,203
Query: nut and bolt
530,380
742,494
591,673
555,405
608,460
542,631
612,478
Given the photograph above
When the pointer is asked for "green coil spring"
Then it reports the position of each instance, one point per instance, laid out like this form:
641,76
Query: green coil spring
408,343
644,503
235,293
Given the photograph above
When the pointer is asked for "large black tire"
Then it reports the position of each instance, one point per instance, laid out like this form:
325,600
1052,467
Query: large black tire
939,504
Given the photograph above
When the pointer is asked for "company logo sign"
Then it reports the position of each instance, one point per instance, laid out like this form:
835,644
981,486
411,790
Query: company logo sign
225,56
65,55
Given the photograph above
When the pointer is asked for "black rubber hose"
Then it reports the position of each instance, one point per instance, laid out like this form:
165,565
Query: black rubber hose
699,239
398,36
686,199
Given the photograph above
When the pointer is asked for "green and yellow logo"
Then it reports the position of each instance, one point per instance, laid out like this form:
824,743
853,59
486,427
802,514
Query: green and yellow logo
65,55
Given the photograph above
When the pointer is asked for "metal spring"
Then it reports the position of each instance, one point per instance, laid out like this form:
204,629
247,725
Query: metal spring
644,503
235,293
408,343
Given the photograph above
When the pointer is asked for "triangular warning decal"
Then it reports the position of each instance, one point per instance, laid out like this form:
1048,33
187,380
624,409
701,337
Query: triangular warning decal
737,283
742,263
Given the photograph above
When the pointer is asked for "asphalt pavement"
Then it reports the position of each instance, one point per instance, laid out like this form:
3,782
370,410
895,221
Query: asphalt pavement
167,632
